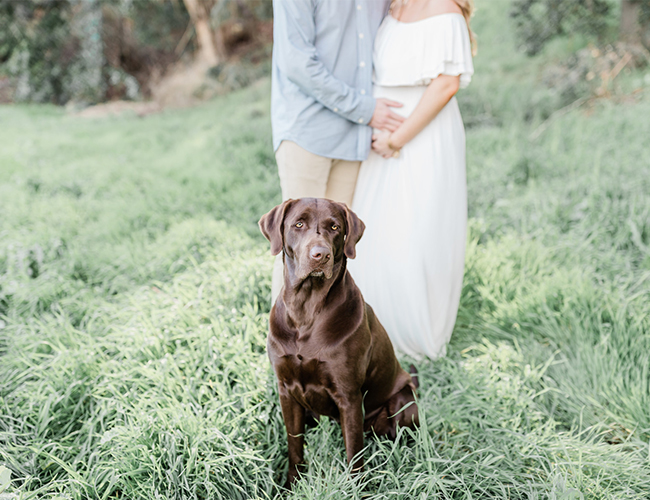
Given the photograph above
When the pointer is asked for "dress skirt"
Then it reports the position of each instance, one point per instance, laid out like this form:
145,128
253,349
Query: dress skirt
410,260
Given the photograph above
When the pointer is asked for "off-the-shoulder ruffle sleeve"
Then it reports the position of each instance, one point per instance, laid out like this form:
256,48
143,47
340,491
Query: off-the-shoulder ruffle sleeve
416,53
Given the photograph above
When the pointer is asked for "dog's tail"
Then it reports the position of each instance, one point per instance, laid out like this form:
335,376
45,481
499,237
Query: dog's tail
414,375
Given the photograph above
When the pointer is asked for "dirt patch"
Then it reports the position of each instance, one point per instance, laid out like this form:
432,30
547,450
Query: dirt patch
188,83
115,108
184,85
6,90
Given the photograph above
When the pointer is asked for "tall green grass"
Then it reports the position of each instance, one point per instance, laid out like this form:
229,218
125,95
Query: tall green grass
134,295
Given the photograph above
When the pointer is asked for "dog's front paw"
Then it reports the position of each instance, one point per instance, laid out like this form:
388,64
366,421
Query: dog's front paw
293,475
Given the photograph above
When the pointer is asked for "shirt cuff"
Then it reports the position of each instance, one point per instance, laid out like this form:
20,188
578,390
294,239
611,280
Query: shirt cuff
366,109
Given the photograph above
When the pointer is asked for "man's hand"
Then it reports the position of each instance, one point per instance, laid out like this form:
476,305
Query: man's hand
385,118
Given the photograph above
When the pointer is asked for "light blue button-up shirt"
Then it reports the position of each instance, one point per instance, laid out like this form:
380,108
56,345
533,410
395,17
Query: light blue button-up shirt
321,95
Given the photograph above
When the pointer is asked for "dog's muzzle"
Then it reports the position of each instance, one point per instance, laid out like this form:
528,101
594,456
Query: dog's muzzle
318,263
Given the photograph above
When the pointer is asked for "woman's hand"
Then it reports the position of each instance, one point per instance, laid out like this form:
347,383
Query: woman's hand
380,144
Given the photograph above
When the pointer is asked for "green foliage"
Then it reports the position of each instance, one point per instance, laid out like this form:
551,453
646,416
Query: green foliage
155,24
539,21
224,10
58,50
90,51
644,15
38,48
135,292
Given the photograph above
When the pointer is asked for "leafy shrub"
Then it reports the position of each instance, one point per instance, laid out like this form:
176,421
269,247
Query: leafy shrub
51,50
95,50
539,21
592,71
86,50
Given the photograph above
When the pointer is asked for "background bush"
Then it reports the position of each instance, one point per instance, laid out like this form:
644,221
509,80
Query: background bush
93,50
539,21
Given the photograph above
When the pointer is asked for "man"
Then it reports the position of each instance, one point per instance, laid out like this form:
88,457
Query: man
322,109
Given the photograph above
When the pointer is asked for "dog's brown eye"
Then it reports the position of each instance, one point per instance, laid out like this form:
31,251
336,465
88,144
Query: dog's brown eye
335,227
299,224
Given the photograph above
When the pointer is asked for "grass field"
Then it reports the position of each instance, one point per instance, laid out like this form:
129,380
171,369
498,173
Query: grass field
134,294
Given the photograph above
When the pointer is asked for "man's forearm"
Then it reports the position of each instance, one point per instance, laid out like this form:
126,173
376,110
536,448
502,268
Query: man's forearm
315,80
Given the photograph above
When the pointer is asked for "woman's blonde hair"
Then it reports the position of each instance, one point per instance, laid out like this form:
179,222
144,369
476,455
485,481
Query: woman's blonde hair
467,8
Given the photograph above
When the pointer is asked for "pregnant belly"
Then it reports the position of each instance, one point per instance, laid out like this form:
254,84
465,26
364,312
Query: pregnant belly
408,96
447,121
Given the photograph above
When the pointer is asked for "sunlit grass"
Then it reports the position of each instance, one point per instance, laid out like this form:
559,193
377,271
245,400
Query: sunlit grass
134,296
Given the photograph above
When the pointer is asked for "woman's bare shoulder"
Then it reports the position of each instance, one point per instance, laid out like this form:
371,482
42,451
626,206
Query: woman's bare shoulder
436,7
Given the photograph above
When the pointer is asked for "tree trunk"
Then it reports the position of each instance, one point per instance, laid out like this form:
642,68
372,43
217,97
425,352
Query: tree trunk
211,47
631,28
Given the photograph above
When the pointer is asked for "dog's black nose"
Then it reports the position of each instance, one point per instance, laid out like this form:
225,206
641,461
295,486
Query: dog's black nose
320,254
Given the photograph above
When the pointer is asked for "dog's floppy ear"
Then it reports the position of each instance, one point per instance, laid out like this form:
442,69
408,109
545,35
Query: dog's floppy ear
353,232
272,226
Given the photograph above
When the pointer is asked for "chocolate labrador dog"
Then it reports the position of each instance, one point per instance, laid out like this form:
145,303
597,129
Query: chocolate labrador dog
330,354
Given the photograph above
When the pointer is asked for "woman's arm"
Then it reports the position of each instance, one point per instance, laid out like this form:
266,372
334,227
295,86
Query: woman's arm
438,93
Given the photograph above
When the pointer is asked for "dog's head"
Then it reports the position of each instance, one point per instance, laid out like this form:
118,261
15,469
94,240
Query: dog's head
315,234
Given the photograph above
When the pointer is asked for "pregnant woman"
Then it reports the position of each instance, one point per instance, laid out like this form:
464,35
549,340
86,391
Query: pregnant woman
411,191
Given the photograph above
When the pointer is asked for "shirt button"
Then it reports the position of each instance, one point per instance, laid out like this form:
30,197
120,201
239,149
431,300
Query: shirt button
360,35
363,91
336,110
358,7
362,64
360,120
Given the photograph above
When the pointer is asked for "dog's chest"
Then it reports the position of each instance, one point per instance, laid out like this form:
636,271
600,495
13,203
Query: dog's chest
308,378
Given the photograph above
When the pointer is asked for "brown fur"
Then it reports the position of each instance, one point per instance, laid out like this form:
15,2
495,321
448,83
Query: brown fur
330,354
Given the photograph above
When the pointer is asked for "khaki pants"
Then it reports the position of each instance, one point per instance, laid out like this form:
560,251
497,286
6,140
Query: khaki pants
307,175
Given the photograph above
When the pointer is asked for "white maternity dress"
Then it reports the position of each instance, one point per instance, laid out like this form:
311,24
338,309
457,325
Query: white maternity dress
410,261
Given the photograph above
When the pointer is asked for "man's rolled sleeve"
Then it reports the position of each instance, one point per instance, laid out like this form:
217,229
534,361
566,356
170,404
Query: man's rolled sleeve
366,109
